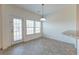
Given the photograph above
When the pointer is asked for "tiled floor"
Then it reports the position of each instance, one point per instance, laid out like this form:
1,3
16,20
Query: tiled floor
41,46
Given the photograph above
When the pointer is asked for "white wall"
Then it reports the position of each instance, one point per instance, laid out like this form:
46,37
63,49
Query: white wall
0,26
59,22
10,11
77,22
77,28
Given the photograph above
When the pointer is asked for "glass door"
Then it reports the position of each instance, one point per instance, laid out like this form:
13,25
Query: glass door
17,29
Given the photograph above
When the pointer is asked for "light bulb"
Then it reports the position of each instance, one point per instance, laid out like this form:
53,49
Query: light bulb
43,19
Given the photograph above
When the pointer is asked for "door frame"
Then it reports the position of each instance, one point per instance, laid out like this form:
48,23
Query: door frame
11,29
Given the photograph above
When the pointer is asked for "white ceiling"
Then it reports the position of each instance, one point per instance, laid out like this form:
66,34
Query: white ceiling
48,8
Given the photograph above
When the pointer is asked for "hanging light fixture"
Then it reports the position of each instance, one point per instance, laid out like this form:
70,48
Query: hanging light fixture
43,19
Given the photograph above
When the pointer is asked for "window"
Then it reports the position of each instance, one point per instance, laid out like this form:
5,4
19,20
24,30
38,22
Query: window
37,27
17,25
33,27
29,27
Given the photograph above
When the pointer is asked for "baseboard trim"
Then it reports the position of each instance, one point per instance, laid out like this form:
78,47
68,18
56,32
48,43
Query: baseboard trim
60,41
18,44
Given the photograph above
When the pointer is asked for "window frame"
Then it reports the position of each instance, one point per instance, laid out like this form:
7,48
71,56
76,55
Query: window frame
34,27
17,29
29,27
38,27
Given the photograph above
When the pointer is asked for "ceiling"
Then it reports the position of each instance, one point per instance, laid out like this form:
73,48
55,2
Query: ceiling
48,8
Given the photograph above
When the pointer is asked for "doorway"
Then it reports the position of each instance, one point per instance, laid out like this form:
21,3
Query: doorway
17,30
